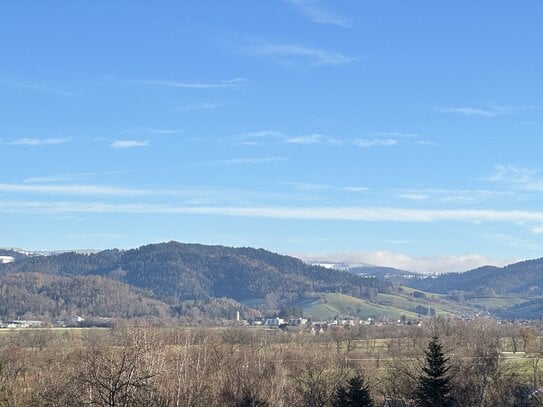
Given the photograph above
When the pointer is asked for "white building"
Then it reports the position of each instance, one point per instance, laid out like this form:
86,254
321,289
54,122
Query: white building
20,323
274,321
6,259
297,321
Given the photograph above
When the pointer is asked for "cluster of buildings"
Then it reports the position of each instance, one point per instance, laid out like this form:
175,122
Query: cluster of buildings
322,325
300,322
21,323
25,323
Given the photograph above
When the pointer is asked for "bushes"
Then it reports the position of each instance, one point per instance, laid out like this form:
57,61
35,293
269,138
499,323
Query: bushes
152,366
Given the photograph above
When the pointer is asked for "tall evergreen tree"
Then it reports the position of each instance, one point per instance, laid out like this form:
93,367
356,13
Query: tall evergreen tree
434,384
355,394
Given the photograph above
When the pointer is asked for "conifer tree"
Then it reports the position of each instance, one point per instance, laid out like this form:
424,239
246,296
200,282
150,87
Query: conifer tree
434,384
355,394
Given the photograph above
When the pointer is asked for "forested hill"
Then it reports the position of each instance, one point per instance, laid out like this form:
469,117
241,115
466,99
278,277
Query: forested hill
173,272
17,255
524,278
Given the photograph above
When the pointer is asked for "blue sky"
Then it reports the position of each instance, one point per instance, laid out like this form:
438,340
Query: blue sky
385,130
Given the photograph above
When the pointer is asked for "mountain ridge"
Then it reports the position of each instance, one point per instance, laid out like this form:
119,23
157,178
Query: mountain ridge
173,273
524,277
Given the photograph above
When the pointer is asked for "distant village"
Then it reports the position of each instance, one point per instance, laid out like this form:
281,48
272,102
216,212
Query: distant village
314,325
321,325
73,322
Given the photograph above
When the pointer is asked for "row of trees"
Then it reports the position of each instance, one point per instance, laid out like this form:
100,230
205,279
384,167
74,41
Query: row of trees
148,366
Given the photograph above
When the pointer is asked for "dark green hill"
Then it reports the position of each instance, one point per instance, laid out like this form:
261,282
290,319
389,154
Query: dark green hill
527,310
173,273
524,278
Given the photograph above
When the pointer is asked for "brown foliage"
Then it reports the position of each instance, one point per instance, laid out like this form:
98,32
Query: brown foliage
142,365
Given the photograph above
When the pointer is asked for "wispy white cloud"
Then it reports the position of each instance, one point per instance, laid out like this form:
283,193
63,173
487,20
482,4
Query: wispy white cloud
354,189
291,54
413,196
199,203
394,135
392,138
376,142
517,177
319,12
58,177
486,111
260,137
313,139
39,87
423,264
38,141
304,186
251,160
191,195
93,190
130,143
444,195
194,85
376,139
360,214
197,106
69,177
528,123
153,131
261,134
427,143
236,161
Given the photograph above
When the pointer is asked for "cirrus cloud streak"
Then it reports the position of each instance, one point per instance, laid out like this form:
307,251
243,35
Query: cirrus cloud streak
294,54
32,141
362,214
129,143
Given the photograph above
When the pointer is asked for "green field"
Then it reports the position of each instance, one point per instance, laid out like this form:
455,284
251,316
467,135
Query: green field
495,301
404,301
330,305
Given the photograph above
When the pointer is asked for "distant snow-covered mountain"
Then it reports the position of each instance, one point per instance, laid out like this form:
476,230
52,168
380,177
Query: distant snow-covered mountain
10,254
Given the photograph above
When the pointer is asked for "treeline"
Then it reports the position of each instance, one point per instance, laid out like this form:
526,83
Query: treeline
49,297
52,297
141,365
